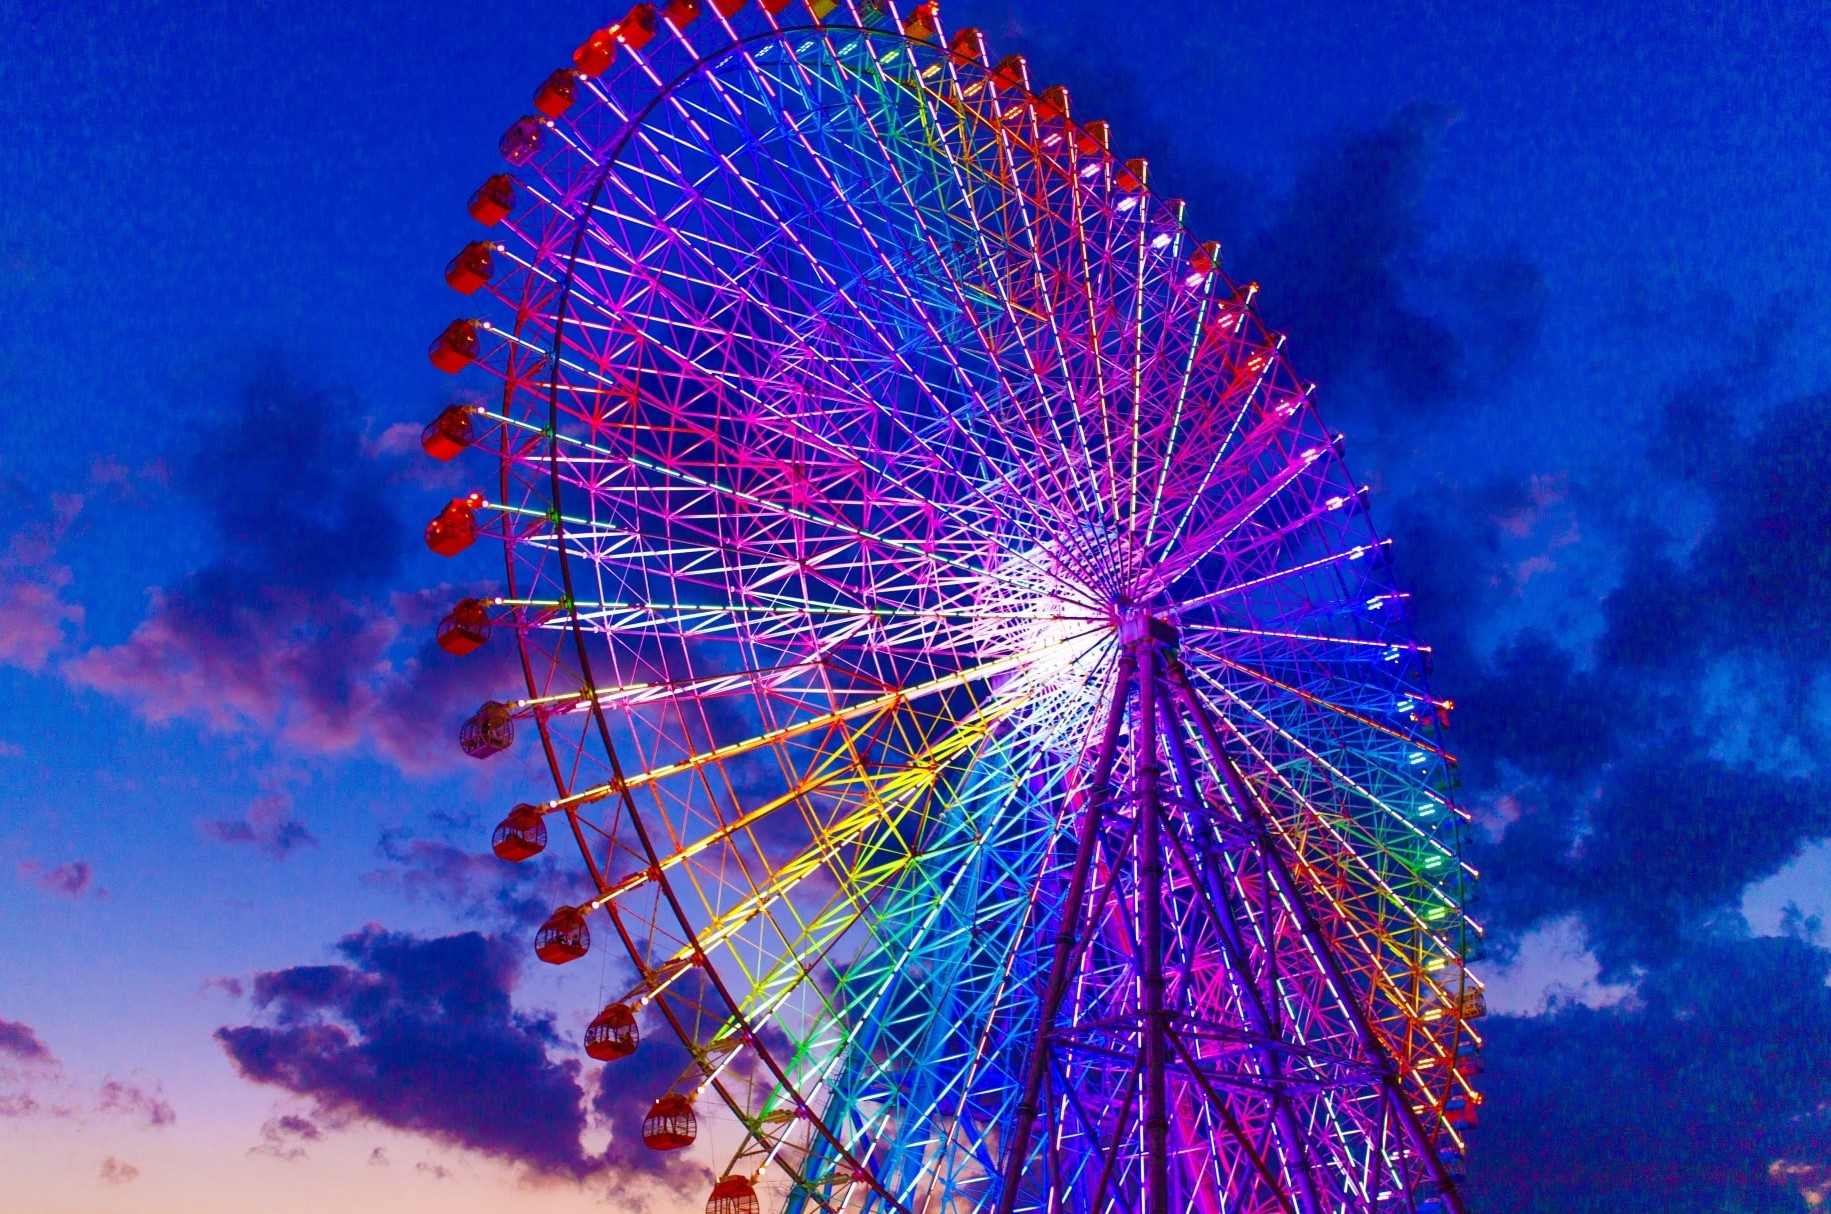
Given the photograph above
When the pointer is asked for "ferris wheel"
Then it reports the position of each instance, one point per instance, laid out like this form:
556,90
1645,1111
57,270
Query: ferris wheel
978,697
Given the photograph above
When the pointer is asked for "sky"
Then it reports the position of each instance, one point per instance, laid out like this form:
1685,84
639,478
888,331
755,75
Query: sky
1557,270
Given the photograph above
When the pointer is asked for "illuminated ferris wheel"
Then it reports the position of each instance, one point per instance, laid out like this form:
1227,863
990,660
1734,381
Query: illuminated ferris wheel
967,670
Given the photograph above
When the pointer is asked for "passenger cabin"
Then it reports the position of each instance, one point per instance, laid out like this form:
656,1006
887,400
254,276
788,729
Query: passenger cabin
612,1033
635,30
490,731
733,1195
563,937
471,268
455,528
924,22
456,348
465,628
519,143
556,93
670,1124
522,835
493,201
448,433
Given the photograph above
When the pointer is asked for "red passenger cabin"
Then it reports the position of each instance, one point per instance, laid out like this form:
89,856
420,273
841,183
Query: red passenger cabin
493,201
924,22
465,628
556,93
471,268
595,55
448,433
522,835
733,1195
670,1124
563,937
455,528
456,348
612,1033
635,30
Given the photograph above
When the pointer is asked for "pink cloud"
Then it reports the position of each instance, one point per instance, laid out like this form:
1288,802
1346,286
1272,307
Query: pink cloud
129,1100
116,1172
324,673
35,618
67,880
268,826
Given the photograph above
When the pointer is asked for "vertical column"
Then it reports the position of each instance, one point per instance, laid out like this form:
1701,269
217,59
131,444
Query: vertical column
1096,791
1150,894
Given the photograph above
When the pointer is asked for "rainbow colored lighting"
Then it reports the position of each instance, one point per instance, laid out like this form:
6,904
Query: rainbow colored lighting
967,669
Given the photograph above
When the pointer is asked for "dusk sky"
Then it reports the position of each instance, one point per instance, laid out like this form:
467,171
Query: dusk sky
1558,269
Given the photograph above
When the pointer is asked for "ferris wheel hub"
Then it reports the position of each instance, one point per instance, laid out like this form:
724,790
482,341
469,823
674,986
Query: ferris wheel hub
1137,624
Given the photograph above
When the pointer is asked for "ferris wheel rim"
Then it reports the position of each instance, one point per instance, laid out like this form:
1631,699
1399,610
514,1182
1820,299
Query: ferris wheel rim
563,554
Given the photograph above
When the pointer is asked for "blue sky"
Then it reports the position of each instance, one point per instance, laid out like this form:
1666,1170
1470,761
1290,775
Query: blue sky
1558,272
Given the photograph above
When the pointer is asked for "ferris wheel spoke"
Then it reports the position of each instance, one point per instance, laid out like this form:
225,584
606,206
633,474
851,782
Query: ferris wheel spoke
1358,927
991,413
833,186
800,431
977,223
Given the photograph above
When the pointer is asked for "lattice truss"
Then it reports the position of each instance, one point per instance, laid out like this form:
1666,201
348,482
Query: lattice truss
853,398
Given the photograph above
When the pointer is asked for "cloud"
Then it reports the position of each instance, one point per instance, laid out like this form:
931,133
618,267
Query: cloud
114,1171
1344,257
1758,577
235,988
1667,845
269,827
27,1069
287,631
129,1100
625,1091
476,884
20,1043
67,880
281,1137
35,617
1683,1099
421,1035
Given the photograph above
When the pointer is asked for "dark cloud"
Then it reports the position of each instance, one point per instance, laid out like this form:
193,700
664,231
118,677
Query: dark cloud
1345,259
626,1089
19,1042
27,1067
421,1035
476,884
269,827
1760,575
1708,1092
1333,258
1665,845
287,632
1533,707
